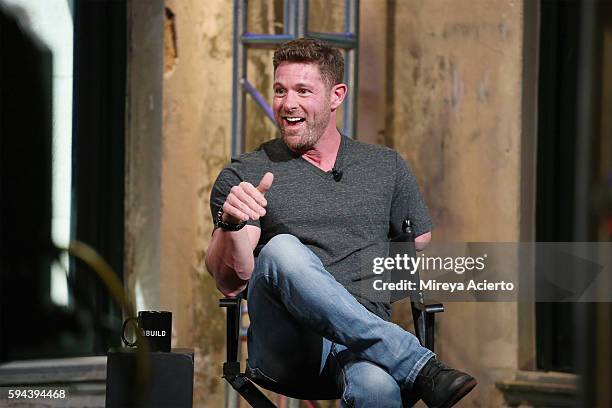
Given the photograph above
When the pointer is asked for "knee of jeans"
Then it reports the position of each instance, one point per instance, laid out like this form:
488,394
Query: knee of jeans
282,249
370,384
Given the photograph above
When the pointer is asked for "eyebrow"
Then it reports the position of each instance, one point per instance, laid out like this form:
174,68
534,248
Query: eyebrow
298,85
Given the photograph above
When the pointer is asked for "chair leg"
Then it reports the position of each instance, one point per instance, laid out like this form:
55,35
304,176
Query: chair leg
430,330
424,317
249,392
231,367
419,323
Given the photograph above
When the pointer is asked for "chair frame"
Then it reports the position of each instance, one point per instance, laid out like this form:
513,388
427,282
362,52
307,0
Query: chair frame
423,315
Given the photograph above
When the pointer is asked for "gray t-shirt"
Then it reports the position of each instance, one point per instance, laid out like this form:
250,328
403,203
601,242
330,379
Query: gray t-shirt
337,220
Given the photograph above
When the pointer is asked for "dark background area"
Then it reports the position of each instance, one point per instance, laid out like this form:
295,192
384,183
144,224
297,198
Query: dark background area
31,325
569,204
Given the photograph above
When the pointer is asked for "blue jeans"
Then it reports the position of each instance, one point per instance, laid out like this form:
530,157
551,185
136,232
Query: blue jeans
308,332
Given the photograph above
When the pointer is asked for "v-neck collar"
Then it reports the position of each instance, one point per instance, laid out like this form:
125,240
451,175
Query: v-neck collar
311,167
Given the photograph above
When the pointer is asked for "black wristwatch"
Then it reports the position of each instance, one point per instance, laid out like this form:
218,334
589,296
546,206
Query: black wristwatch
226,226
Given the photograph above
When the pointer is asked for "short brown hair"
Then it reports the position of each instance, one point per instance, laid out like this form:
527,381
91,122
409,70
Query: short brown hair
309,50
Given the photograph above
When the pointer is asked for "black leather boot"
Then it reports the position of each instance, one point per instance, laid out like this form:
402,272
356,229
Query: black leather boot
440,386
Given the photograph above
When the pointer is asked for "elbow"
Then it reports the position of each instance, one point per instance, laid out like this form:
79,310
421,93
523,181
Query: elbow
231,285
231,292
208,263
244,271
421,242
230,280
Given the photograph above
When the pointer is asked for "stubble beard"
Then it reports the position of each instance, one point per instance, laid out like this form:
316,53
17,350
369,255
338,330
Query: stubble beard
308,137
302,140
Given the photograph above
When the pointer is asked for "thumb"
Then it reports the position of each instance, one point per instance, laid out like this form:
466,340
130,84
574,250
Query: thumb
265,183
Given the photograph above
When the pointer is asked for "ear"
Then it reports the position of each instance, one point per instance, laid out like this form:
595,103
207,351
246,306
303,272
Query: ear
337,95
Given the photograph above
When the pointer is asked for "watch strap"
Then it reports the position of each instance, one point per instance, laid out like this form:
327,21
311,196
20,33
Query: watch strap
227,226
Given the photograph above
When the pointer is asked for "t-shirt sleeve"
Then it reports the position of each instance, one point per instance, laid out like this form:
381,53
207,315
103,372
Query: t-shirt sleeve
228,178
407,202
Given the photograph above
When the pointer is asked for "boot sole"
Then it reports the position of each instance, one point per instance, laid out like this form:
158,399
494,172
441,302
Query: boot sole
462,392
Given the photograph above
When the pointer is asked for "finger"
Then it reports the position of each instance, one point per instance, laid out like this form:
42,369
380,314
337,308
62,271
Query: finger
245,198
254,193
233,212
241,205
265,183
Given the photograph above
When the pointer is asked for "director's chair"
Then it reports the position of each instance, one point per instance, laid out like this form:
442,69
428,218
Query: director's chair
423,316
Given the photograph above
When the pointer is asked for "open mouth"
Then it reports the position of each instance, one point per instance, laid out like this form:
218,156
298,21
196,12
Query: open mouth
291,121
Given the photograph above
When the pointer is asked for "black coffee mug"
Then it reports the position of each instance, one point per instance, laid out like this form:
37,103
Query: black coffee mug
155,326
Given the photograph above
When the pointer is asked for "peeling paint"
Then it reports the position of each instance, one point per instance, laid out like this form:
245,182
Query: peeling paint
483,88
461,30
503,31
456,86
441,63
416,73
215,52
415,51
170,42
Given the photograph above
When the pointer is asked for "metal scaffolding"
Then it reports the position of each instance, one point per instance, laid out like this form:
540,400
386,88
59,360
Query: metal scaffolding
295,26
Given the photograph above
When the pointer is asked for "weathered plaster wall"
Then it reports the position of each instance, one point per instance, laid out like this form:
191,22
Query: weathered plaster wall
196,128
456,110
373,46
455,114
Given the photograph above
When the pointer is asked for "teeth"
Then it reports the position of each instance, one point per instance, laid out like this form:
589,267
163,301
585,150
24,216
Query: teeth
293,119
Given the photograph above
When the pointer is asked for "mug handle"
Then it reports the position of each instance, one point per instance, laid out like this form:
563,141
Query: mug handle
128,343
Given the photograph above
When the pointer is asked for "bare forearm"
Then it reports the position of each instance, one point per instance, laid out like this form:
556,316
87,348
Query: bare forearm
229,260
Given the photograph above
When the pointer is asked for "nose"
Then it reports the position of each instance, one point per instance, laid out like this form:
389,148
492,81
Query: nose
290,102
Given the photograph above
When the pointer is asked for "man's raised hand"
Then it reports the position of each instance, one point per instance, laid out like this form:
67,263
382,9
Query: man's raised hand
246,202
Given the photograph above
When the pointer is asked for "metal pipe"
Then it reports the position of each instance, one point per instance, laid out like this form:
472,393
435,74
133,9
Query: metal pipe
260,41
289,20
301,17
351,25
259,99
339,40
238,74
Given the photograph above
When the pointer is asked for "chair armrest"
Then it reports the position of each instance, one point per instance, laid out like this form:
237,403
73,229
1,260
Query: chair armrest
230,301
428,307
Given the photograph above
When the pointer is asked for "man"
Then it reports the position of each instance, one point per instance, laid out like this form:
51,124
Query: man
292,219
